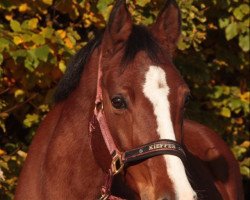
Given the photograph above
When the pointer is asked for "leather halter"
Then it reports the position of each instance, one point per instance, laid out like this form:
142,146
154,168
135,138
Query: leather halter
120,159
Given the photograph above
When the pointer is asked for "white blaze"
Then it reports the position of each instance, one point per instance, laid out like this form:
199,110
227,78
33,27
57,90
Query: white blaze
156,90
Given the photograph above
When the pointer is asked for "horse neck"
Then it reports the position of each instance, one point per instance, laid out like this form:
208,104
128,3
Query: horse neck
85,93
83,97
73,131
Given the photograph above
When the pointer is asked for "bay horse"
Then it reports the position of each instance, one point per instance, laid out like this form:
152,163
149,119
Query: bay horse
117,129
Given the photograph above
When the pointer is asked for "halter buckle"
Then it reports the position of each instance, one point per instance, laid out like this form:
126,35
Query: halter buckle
117,164
104,197
98,107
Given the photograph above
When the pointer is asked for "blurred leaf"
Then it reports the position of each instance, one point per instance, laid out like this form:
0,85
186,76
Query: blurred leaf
231,31
32,23
48,2
246,162
239,151
38,39
44,108
18,93
4,43
61,33
238,13
245,8
218,92
2,152
142,3
47,32
245,96
245,171
15,26
30,120
42,53
22,154
1,175
244,42
23,7
18,53
104,8
17,40
223,22
62,66
246,144
225,112
234,104
68,43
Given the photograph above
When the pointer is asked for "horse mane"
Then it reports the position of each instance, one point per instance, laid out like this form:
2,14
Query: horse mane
140,39
72,76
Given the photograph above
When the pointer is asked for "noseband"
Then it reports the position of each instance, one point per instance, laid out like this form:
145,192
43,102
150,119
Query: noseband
120,159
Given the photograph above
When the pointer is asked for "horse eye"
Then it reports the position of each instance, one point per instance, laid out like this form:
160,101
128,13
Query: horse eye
119,102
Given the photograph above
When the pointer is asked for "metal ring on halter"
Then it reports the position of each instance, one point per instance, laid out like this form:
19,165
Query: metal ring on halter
104,197
99,106
117,164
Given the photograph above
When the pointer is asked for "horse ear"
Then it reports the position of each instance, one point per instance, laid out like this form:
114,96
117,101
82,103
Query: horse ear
168,25
119,26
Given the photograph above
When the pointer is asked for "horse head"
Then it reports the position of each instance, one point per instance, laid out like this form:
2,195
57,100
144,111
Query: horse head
144,97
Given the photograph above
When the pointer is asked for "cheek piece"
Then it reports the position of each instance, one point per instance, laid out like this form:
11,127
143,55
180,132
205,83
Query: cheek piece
109,157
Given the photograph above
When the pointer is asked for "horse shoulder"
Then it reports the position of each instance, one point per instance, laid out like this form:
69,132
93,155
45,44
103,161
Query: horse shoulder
207,145
28,182
60,164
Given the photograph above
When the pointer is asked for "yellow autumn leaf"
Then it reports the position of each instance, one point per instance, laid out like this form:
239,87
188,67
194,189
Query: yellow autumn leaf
22,154
245,97
9,17
239,120
245,144
2,178
48,2
33,23
225,112
61,33
30,120
68,43
62,66
2,152
87,23
18,93
23,7
17,40
44,108
142,2
86,20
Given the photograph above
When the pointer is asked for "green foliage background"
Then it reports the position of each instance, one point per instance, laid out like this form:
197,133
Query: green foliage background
37,38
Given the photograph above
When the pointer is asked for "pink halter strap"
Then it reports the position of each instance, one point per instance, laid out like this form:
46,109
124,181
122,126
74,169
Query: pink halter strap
99,112
114,152
99,98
